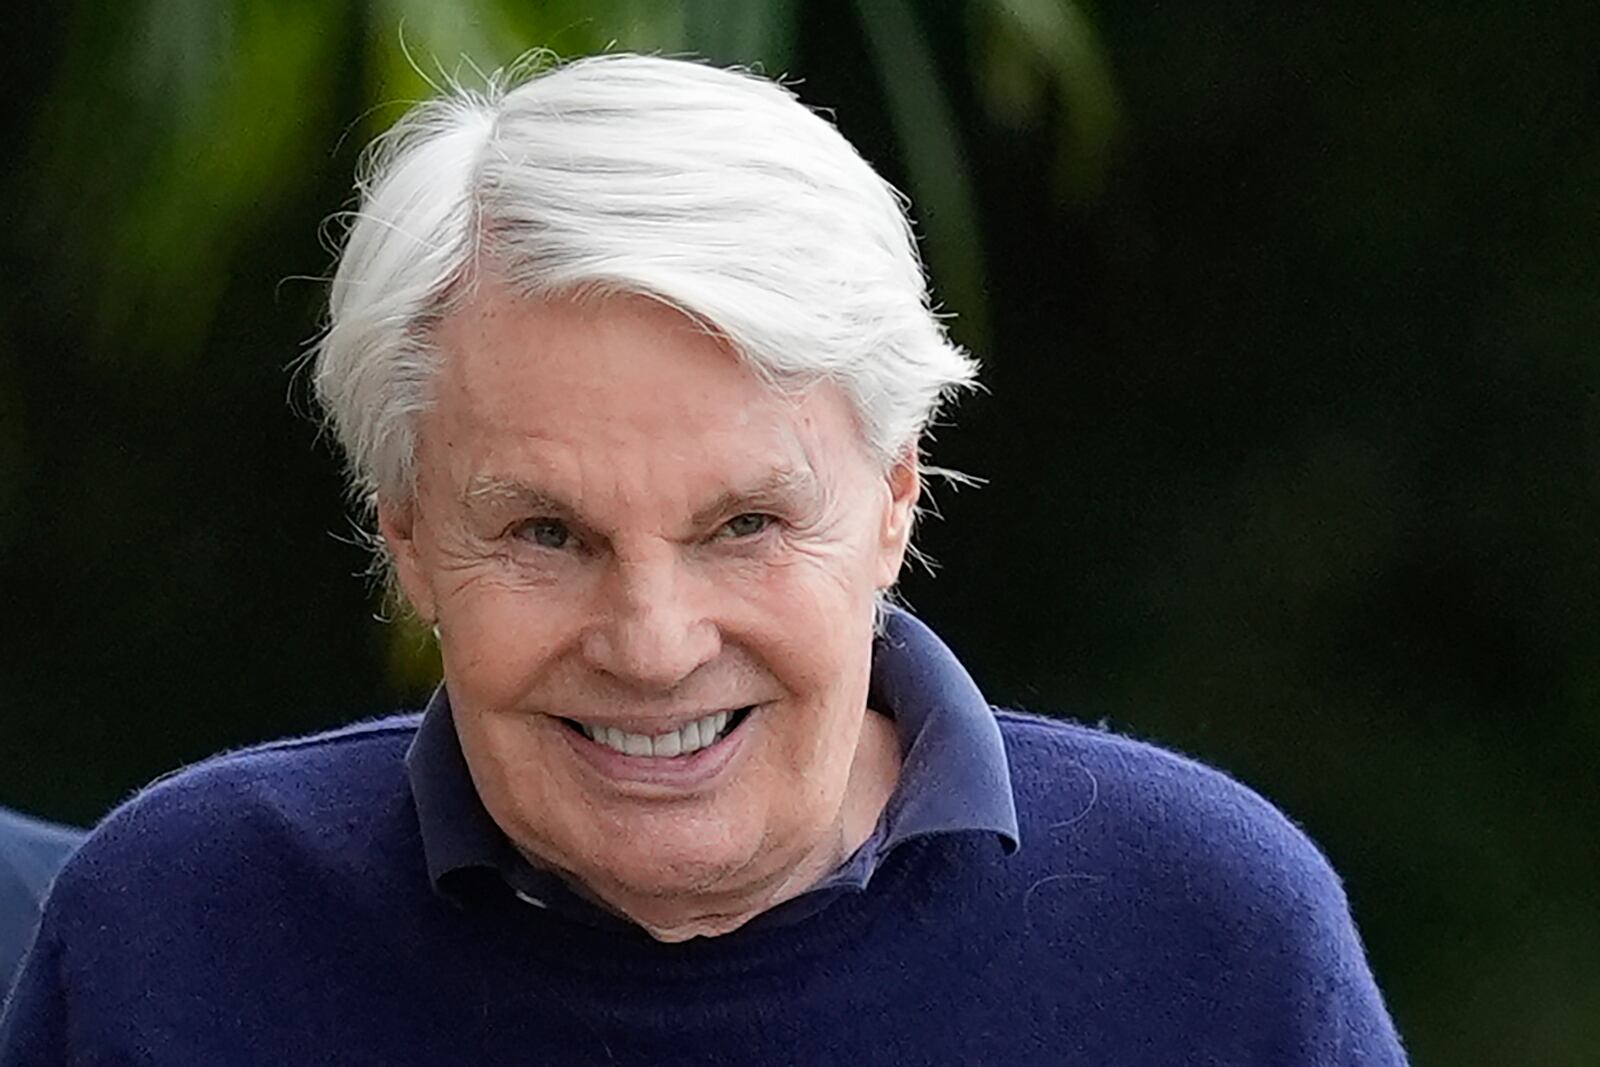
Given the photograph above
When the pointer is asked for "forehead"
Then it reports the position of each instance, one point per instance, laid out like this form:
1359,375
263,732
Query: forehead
623,383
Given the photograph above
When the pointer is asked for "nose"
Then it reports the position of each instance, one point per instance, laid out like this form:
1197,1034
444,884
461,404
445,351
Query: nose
652,632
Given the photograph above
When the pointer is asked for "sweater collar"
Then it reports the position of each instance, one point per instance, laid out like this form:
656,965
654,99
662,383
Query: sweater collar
954,777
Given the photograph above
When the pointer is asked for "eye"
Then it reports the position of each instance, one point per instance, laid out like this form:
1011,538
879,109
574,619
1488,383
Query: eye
546,533
747,525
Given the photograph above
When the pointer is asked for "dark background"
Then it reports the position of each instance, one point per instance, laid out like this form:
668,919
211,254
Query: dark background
1292,431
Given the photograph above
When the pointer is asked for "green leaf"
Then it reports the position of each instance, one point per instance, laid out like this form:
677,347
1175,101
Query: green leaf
246,117
1039,48
936,167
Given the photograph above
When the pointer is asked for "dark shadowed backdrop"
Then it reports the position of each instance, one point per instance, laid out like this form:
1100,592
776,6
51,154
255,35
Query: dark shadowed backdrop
1291,437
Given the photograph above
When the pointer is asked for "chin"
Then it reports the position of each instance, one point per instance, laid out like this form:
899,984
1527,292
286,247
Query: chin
670,866
686,896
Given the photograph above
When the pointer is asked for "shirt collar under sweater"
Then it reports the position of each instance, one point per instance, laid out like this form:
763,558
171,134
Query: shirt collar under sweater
954,778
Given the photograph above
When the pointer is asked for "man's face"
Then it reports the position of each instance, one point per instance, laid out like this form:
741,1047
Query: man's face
621,533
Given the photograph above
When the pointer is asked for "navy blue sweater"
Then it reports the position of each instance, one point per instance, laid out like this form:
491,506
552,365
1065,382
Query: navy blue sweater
346,899
273,907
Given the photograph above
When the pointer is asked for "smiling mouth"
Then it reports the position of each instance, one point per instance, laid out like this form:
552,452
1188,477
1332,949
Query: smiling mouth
674,744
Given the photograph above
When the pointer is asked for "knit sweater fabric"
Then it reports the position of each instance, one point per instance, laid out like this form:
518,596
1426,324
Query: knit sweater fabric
274,906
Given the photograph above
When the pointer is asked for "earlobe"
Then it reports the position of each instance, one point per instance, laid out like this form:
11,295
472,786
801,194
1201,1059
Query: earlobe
397,525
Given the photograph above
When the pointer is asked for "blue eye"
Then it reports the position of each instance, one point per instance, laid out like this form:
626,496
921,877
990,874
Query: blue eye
747,525
546,533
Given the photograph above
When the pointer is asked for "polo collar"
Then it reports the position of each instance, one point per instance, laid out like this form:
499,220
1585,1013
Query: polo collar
954,777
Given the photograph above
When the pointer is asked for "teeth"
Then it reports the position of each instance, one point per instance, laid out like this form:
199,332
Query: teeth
681,742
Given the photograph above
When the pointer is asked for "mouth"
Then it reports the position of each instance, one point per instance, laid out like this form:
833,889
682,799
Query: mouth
680,743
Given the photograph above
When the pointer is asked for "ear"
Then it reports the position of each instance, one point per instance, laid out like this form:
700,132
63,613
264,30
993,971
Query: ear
905,486
397,523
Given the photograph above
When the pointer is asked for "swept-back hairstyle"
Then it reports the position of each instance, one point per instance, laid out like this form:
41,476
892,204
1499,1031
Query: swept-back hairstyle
715,191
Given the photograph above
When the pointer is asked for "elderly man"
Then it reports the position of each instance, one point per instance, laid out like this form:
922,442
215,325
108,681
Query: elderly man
632,362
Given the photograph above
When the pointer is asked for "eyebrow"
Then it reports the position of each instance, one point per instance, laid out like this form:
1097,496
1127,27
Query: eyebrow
495,489
786,488
780,490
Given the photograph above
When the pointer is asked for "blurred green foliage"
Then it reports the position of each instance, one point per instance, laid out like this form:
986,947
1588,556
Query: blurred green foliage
1292,432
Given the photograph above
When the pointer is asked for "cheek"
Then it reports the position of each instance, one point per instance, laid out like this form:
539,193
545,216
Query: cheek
825,594
829,569
496,636
816,638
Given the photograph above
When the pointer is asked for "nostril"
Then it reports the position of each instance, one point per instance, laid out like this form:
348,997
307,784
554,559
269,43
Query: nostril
653,648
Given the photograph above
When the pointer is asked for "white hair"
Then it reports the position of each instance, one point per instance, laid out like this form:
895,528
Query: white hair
714,191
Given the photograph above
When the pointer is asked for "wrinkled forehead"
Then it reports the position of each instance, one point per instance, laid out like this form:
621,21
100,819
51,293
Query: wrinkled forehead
573,394
624,363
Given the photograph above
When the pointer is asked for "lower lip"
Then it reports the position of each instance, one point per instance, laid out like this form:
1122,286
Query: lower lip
676,773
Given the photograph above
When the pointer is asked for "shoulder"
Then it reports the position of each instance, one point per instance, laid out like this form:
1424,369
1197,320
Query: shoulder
1062,769
1192,890
1174,828
322,795
293,777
